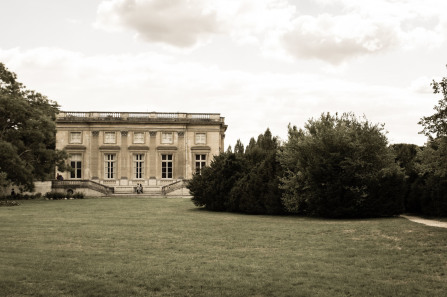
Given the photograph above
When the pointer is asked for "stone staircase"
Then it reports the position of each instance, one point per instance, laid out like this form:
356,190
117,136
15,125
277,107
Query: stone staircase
174,189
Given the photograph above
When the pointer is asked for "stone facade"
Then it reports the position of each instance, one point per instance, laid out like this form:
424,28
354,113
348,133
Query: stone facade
123,149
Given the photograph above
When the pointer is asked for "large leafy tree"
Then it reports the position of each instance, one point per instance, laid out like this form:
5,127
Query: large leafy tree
340,166
436,124
27,133
429,191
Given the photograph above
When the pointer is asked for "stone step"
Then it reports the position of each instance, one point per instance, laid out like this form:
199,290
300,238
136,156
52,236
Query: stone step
149,190
124,195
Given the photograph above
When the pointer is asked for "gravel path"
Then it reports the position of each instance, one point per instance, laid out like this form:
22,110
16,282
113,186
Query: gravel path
432,223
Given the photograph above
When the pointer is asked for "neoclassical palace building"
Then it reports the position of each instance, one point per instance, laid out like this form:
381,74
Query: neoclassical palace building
121,150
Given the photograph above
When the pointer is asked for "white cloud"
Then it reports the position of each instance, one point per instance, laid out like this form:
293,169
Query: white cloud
360,28
176,22
336,38
339,30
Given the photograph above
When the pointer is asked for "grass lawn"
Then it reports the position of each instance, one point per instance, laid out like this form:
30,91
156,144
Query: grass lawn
167,247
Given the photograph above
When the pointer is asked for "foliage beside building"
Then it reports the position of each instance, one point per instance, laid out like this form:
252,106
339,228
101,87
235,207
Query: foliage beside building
27,134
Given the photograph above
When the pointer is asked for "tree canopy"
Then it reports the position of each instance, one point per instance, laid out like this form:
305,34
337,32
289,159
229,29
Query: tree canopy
27,133
436,124
340,166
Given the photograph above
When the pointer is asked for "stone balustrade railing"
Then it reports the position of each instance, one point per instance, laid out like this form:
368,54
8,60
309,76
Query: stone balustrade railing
136,116
74,184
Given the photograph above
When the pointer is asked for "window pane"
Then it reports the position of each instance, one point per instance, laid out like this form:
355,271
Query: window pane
200,163
109,166
76,164
166,166
138,165
73,173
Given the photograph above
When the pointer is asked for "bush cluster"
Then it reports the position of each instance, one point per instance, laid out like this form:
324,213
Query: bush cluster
20,196
59,195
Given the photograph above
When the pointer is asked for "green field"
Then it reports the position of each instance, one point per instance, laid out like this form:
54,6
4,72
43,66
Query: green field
167,247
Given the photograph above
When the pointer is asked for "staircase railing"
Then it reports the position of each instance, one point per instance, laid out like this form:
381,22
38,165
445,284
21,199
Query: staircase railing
66,184
173,186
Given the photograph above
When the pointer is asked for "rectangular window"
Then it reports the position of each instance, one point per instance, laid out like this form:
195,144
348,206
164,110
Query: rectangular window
109,137
200,138
166,166
76,164
200,163
138,166
75,137
138,137
167,137
109,166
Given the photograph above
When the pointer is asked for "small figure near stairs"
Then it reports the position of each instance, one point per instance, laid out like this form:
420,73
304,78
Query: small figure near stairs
139,189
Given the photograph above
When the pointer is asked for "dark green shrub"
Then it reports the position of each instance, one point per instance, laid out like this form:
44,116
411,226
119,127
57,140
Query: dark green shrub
78,195
55,195
20,196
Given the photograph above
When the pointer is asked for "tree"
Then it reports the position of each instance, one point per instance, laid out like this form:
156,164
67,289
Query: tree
340,166
27,133
239,148
436,124
429,191
242,181
257,191
407,159
211,188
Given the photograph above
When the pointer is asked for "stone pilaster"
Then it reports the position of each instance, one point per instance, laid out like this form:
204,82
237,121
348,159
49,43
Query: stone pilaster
179,167
152,155
124,171
94,156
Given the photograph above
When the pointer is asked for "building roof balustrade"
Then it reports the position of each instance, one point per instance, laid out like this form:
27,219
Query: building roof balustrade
76,116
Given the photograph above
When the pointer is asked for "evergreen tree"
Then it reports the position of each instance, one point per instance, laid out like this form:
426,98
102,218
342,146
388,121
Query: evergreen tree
242,181
258,190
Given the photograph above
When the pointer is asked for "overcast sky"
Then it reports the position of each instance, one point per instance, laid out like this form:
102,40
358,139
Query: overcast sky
259,63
